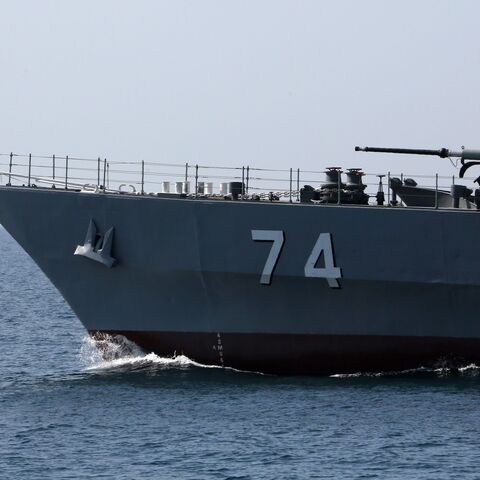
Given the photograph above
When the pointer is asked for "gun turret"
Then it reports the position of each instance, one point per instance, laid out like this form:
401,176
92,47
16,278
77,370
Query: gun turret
464,154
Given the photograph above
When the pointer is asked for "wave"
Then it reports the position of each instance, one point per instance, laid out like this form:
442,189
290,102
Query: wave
444,371
109,352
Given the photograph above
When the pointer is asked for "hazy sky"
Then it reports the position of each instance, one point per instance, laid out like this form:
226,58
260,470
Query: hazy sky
266,83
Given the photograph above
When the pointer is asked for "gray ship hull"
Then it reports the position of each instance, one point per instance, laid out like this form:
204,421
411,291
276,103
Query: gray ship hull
187,279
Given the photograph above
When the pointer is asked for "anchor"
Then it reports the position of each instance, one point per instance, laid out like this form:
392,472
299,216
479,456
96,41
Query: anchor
97,247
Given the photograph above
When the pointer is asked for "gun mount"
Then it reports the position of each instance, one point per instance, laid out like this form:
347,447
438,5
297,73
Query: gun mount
464,154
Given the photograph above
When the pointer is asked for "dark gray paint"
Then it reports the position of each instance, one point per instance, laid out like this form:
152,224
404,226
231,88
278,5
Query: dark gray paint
191,265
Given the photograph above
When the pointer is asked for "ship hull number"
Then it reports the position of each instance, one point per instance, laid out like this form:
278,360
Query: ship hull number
323,248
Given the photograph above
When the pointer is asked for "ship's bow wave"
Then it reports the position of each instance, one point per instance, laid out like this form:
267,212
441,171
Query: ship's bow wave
103,352
467,370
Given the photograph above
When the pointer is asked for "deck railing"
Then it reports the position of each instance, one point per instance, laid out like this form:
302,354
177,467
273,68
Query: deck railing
149,177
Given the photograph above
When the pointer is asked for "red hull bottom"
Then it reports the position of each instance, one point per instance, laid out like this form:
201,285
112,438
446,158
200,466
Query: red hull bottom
308,354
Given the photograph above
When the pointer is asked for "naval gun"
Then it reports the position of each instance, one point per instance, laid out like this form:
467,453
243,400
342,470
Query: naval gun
464,154
468,158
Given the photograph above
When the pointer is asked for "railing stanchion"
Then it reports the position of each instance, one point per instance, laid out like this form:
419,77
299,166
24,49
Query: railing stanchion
10,170
401,179
29,167
243,182
388,188
248,178
98,171
143,176
290,193
339,186
196,181
104,173
186,173
66,172
108,175
453,179
436,190
298,184
53,168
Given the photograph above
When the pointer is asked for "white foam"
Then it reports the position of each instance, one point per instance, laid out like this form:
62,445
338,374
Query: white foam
112,352
347,375
471,369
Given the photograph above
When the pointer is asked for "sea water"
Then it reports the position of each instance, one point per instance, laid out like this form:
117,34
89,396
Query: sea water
67,413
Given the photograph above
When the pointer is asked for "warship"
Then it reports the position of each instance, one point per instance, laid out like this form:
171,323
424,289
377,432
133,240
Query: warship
318,277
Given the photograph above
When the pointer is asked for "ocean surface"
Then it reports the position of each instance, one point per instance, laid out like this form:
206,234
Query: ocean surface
68,414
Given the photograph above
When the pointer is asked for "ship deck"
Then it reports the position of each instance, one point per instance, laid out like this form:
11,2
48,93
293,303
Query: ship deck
247,184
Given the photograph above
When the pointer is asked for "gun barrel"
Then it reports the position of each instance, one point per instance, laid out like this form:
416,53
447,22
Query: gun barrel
464,154
442,153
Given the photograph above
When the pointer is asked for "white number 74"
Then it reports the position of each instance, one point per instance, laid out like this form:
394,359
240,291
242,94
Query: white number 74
323,245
